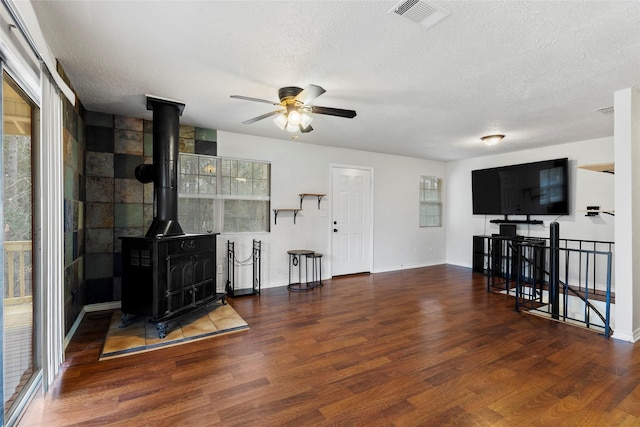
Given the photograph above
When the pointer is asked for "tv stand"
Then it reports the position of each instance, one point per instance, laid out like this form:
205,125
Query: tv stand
506,220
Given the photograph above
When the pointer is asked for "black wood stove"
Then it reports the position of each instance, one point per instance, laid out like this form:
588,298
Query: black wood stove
167,273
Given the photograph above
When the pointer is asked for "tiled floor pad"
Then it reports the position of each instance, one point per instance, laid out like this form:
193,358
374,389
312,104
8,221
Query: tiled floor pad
141,335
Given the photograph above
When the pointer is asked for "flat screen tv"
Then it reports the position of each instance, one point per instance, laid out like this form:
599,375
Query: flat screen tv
538,188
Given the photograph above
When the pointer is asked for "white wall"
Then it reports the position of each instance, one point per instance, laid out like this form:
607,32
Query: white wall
627,157
586,188
297,168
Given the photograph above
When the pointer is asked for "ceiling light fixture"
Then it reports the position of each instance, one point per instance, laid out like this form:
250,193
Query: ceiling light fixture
293,120
492,139
281,121
294,117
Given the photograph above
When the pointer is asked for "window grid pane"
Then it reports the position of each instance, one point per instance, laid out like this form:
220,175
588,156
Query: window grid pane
430,204
245,215
207,182
429,214
197,215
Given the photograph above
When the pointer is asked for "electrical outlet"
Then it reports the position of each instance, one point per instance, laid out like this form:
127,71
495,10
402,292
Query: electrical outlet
219,269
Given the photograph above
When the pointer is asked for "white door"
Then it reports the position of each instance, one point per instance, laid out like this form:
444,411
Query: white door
351,222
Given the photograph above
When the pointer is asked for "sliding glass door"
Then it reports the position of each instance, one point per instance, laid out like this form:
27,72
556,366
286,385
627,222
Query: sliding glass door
20,365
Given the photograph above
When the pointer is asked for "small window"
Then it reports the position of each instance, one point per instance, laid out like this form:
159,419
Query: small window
223,195
430,202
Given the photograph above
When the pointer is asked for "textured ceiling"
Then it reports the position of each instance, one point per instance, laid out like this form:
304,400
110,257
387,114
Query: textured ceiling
533,70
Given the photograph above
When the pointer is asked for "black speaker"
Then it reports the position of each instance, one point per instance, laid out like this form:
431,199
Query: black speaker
478,254
508,230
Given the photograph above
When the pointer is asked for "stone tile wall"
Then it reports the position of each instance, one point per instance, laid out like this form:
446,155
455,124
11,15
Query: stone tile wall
74,223
99,215
117,204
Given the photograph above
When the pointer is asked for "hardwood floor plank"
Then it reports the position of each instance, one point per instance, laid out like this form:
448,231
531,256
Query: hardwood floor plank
427,346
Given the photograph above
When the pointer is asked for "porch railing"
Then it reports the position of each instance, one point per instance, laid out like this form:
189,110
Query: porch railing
18,268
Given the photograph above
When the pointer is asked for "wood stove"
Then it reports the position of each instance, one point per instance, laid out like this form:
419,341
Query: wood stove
167,273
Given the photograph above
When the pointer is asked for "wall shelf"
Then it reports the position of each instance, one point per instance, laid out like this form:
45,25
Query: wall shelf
276,211
506,220
517,221
303,195
296,210
600,167
596,212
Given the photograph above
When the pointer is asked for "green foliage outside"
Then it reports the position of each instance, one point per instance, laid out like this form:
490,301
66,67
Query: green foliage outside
17,187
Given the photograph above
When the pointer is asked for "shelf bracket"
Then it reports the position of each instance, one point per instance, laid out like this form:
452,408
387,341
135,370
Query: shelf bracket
303,195
593,210
275,214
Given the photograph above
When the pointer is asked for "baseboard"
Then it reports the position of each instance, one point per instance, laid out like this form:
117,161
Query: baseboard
625,337
74,328
628,336
458,264
88,309
102,306
386,269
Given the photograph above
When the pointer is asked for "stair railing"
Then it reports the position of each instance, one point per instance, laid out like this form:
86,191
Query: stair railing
521,267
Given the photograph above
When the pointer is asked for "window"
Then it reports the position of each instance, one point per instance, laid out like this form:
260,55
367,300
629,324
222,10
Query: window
430,202
223,195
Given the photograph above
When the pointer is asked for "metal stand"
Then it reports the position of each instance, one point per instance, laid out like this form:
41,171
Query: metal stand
256,262
316,268
298,257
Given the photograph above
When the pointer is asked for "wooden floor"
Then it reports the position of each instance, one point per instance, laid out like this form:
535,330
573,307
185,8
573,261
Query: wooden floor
421,347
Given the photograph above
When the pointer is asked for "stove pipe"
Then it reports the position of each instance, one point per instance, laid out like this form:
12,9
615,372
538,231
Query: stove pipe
164,170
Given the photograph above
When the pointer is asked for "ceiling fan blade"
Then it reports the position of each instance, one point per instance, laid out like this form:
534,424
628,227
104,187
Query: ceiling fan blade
264,116
248,98
305,130
349,114
309,93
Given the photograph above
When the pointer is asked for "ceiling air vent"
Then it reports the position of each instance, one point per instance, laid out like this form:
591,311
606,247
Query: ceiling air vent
421,12
605,110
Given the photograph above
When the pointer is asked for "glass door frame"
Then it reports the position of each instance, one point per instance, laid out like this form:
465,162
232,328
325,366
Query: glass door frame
34,383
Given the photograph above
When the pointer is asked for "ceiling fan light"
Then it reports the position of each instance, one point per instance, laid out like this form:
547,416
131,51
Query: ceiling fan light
292,128
294,117
281,121
492,139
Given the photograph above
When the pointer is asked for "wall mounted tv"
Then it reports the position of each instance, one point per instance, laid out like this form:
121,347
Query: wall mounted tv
538,188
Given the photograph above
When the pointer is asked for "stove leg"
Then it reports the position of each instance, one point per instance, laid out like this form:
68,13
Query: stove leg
126,320
162,329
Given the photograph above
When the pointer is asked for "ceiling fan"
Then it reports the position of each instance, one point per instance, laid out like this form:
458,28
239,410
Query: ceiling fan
295,113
